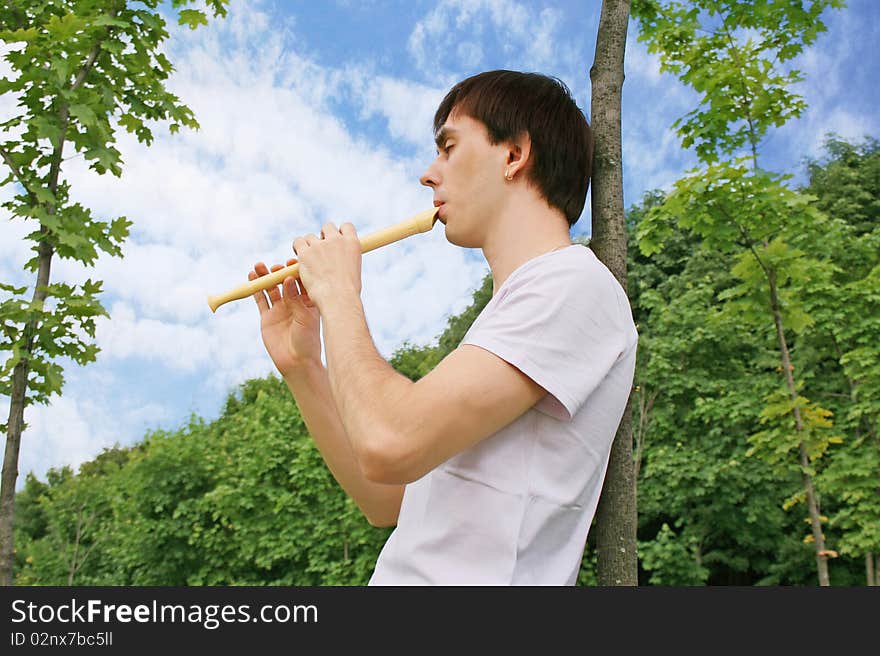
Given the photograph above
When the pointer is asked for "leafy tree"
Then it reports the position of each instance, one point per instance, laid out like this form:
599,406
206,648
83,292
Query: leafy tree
246,499
731,52
81,69
841,357
65,526
699,379
243,500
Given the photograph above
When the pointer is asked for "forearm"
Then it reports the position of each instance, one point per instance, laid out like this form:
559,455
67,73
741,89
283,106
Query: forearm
310,386
370,395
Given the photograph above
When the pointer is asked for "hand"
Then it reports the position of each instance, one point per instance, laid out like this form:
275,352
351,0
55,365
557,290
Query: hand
330,266
289,322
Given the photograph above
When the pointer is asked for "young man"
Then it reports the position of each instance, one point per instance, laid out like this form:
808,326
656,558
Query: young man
491,465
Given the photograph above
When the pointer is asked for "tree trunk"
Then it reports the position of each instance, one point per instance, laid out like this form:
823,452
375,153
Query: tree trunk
646,404
616,557
616,514
76,542
15,424
870,573
812,502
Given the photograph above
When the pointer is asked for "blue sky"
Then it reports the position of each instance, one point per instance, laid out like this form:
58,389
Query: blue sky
317,111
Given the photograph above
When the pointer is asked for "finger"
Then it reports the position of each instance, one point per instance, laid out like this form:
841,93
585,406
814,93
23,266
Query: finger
306,299
261,271
274,291
291,261
311,238
288,287
329,230
259,296
304,294
303,242
348,230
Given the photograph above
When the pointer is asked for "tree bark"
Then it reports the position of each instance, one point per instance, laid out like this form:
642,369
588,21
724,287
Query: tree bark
870,573
812,501
616,514
15,424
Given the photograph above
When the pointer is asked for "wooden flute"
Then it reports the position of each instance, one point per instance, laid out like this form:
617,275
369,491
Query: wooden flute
421,222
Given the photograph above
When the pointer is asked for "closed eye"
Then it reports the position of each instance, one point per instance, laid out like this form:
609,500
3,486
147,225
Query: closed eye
444,149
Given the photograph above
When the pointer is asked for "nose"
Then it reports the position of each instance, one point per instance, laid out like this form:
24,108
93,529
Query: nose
431,176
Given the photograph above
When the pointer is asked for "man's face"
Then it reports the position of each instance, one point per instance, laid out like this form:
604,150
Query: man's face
467,178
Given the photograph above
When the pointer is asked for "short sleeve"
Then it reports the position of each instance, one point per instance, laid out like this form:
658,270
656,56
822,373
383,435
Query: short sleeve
562,327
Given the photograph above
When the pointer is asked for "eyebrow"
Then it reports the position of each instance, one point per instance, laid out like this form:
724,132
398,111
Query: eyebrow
443,135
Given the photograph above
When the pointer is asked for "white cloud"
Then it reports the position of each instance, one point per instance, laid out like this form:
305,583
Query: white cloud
452,37
270,162
832,72
652,153
76,427
408,107
282,149
640,65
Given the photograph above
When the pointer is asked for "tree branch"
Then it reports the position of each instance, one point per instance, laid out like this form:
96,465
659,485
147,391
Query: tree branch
16,172
90,62
746,236
64,114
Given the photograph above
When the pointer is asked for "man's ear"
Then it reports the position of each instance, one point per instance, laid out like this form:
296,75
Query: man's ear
518,153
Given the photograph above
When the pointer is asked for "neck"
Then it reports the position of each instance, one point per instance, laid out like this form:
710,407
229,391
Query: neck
525,227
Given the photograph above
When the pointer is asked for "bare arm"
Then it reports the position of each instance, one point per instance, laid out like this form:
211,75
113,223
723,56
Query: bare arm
289,325
400,430
310,386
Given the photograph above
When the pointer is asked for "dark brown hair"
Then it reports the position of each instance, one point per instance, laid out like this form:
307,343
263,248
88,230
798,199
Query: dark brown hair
509,103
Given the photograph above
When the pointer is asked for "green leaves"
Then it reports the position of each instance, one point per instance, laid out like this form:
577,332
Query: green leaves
243,500
79,69
47,127
115,50
60,329
62,28
673,559
776,443
752,215
84,114
729,52
192,17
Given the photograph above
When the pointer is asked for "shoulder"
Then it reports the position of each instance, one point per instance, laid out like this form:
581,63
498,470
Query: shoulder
572,278
575,264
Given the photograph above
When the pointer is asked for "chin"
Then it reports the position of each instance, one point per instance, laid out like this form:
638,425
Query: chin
450,237
457,239
458,234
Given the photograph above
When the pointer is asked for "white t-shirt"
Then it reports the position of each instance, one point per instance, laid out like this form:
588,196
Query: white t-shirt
515,508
